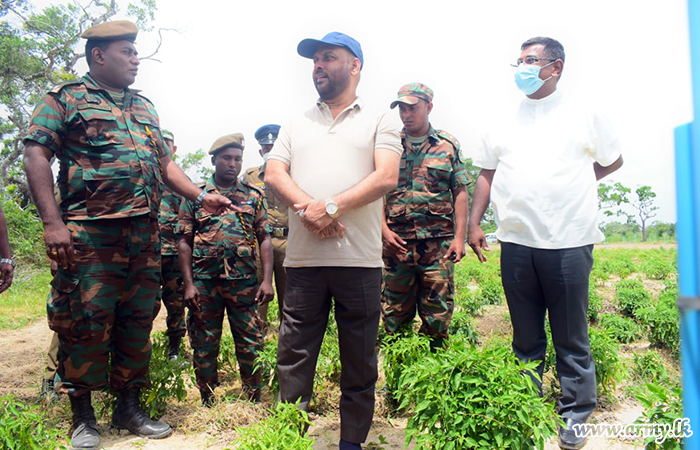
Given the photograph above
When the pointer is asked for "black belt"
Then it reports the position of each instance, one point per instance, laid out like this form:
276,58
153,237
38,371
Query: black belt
280,232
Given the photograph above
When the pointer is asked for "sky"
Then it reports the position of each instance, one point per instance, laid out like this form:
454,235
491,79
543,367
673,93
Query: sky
226,67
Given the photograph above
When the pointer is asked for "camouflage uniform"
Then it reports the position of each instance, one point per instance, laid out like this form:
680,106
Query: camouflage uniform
277,213
171,293
420,210
223,268
109,184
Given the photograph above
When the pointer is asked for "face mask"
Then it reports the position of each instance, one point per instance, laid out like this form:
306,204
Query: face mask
527,77
266,156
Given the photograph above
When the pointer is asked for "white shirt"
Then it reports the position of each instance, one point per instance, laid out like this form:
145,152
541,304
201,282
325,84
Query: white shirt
544,190
327,156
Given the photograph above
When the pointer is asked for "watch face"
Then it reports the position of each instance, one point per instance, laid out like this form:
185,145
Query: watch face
332,208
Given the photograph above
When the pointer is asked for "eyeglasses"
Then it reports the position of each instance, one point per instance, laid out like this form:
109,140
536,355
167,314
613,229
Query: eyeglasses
530,60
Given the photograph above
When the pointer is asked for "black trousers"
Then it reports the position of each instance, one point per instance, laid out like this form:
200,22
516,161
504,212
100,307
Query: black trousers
537,281
307,303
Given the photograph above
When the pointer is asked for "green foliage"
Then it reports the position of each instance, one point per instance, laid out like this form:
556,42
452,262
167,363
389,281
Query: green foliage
621,328
657,268
284,429
649,367
609,370
621,267
490,291
197,164
267,363
25,231
630,296
25,427
664,326
169,379
401,351
595,303
461,324
662,406
474,398
26,299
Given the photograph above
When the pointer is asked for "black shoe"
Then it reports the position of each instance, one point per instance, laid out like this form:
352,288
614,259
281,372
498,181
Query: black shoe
208,398
174,347
345,445
129,415
48,393
85,435
568,439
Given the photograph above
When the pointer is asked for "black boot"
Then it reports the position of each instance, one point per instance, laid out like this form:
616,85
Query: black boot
129,415
85,435
174,347
48,393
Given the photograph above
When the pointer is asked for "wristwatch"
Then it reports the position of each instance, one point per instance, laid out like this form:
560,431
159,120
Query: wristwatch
331,208
200,199
7,261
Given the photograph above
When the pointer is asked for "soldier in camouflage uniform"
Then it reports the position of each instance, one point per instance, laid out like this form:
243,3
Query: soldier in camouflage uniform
425,221
171,290
217,258
277,214
104,234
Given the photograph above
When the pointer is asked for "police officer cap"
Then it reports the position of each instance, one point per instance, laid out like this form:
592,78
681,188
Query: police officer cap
112,31
167,135
267,134
234,140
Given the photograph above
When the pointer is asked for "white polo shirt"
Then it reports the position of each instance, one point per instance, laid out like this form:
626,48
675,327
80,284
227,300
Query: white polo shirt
327,156
544,192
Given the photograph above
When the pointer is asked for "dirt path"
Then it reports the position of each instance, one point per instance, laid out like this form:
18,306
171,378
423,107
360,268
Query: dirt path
22,361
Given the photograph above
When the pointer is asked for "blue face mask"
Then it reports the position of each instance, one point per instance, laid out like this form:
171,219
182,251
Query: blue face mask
527,77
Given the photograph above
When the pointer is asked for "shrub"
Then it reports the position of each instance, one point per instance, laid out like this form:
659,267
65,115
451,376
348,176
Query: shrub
621,328
169,379
594,304
662,406
26,233
469,303
664,327
630,296
25,427
461,324
490,291
267,363
649,367
284,429
620,266
401,351
474,398
609,370
657,269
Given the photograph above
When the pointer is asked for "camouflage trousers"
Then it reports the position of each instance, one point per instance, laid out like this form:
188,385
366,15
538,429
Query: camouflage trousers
422,281
279,250
102,306
237,298
172,297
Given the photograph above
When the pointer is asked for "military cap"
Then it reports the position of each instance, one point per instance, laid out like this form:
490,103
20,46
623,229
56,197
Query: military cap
267,134
412,93
235,140
167,135
307,47
112,31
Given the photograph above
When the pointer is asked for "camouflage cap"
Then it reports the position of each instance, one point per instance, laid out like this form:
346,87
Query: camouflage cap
235,140
167,134
112,31
412,93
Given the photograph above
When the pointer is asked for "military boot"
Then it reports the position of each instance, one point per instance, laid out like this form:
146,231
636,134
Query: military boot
85,435
174,347
129,415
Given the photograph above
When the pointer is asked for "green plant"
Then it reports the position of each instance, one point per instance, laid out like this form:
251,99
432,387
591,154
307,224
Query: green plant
467,397
25,427
401,351
467,301
169,379
657,268
490,291
649,367
662,406
630,296
594,304
26,233
26,299
284,429
609,370
664,327
621,328
461,324
267,363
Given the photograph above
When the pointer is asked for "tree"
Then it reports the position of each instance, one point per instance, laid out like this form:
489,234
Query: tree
611,197
193,164
644,204
38,51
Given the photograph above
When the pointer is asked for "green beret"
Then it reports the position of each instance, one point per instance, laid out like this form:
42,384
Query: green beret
235,140
167,135
112,31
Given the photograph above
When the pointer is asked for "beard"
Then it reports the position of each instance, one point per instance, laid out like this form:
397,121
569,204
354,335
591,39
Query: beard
331,84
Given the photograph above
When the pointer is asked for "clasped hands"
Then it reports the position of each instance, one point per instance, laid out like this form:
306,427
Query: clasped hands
317,221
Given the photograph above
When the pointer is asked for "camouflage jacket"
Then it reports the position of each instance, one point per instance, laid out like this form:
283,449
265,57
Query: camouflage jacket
109,158
224,246
276,210
422,205
168,219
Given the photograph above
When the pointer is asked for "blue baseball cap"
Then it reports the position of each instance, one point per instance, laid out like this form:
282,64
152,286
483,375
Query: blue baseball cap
307,47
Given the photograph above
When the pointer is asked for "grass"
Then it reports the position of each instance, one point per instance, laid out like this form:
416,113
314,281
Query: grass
25,301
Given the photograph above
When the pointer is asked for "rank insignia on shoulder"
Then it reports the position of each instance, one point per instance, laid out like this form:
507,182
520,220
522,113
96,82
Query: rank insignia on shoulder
90,98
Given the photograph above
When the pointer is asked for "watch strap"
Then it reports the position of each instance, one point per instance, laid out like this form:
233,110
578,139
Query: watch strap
7,261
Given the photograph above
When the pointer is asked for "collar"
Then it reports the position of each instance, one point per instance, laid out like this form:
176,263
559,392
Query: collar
432,134
210,185
90,83
552,98
358,103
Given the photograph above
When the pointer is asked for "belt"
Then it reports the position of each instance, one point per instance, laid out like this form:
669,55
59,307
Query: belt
280,232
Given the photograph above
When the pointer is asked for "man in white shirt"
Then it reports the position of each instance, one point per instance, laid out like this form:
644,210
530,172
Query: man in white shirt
332,165
539,168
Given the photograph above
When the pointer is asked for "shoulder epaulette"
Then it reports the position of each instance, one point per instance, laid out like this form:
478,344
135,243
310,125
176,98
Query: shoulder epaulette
56,89
138,94
448,137
250,170
255,188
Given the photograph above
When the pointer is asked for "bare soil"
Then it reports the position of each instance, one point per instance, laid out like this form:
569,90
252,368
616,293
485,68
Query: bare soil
22,362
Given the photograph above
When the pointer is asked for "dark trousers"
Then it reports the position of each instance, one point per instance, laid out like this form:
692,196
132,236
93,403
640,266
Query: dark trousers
307,303
537,281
